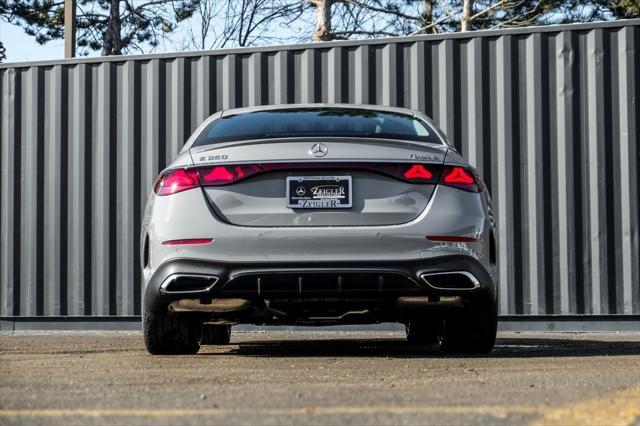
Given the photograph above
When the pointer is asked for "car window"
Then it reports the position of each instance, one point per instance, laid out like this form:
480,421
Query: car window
310,122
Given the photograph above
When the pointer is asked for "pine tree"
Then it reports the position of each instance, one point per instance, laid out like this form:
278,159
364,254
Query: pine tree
112,26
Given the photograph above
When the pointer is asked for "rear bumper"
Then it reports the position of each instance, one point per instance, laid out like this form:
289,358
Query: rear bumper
303,280
186,215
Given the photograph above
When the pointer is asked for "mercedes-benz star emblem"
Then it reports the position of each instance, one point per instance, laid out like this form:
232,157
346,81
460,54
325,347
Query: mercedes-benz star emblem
318,150
300,191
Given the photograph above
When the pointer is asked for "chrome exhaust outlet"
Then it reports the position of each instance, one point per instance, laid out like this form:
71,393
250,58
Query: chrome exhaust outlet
452,280
188,284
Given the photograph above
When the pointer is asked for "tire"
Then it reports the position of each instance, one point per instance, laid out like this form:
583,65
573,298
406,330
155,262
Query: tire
166,334
472,331
215,335
427,332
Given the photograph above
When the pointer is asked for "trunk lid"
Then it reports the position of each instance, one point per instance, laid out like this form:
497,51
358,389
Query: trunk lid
377,199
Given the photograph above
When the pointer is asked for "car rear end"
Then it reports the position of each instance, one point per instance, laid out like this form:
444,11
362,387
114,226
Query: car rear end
281,216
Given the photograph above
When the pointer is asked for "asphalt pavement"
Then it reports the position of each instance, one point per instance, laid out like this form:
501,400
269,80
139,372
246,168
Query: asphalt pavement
314,378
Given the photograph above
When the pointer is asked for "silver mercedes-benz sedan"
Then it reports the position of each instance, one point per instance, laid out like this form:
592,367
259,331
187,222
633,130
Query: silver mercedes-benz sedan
319,214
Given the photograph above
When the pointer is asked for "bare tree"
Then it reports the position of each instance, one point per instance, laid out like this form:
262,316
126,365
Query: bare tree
199,32
343,19
467,15
210,25
222,23
253,22
465,21
323,22
427,13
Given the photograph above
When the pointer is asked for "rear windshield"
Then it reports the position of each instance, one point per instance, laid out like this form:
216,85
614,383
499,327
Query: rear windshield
322,122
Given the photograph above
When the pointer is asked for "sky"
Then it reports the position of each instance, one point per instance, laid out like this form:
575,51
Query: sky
22,47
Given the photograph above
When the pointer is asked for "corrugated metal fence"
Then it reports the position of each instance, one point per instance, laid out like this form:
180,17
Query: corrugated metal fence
549,116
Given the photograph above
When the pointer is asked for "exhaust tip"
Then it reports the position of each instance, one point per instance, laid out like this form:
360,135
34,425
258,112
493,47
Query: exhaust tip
188,284
454,280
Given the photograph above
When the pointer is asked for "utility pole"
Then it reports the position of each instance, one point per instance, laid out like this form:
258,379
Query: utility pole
69,28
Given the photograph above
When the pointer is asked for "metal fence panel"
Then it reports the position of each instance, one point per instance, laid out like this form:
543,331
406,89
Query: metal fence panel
548,115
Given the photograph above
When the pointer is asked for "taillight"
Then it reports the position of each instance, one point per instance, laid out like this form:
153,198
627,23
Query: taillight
217,175
222,175
460,177
178,180
414,173
418,171
455,176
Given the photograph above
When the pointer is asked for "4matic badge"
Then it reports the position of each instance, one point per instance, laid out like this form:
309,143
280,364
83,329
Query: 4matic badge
423,157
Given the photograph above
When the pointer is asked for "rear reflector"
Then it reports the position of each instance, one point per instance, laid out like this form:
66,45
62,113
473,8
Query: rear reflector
187,241
451,239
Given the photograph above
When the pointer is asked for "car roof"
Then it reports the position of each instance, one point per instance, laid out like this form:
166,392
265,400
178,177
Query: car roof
235,111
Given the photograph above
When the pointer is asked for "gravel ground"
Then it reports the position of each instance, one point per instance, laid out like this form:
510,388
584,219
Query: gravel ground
318,378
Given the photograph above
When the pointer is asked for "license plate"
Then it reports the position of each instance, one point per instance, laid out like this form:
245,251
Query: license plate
319,192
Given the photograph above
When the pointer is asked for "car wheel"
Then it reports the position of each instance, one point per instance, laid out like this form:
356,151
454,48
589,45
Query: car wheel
215,335
166,334
472,331
425,332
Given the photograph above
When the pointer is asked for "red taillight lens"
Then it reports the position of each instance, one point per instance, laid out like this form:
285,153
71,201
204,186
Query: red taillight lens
217,175
414,173
460,177
222,175
418,172
174,181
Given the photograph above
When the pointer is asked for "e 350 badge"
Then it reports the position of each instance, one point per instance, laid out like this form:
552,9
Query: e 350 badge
214,157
